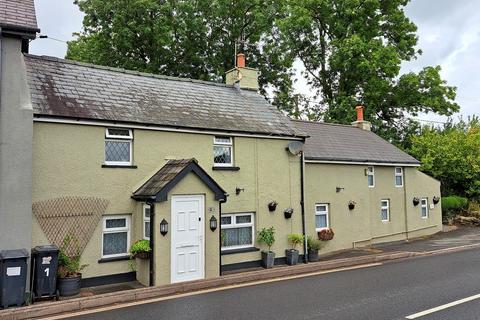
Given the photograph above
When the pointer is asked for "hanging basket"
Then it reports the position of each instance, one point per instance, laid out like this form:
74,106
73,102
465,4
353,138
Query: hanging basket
416,201
326,234
288,213
272,206
142,255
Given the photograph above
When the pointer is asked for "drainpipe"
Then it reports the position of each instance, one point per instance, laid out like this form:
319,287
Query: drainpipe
406,201
151,203
302,204
220,238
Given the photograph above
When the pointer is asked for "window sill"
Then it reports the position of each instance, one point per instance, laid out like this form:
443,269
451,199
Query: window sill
118,166
242,250
113,259
226,168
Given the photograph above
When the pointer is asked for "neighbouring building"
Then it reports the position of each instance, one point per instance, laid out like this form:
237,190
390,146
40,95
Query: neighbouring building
111,156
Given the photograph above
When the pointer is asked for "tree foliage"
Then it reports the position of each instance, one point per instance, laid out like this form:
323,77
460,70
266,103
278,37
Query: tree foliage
352,51
451,154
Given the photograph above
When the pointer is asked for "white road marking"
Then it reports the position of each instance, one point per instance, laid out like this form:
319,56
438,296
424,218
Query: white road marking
136,303
443,307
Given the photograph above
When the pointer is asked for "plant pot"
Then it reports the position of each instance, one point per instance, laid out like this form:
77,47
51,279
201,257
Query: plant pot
351,206
142,255
272,206
288,214
436,200
312,255
70,286
268,259
416,201
291,256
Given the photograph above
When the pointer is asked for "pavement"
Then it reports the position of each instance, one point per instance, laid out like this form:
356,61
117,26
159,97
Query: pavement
388,291
130,293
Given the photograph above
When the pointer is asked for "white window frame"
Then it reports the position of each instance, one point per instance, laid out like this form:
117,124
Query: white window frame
145,220
398,174
106,230
371,173
223,144
117,138
235,225
385,207
424,204
325,213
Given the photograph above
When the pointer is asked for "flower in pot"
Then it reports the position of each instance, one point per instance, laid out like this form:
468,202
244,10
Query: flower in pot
267,236
313,245
69,267
416,201
326,234
272,206
288,213
351,204
140,249
291,255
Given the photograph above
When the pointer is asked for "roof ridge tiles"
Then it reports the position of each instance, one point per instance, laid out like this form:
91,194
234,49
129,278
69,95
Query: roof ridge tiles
125,71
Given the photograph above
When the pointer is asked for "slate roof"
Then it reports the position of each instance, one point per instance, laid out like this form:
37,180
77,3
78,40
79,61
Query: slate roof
19,14
334,142
169,175
63,88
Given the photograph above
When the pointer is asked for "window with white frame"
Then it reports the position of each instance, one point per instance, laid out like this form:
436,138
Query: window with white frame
146,222
371,176
424,207
237,231
385,210
223,151
115,236
398,177
118,146
321,216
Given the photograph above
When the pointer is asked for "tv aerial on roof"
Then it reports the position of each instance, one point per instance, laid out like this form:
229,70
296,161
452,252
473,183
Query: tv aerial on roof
295,147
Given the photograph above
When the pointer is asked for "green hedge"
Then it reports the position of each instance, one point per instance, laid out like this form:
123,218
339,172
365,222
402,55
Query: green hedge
452,205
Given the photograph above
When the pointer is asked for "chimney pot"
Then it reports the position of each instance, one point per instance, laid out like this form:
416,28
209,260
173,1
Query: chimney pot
359,113
240,60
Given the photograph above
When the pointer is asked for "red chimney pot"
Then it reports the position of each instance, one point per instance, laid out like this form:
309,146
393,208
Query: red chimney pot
359,112
240,60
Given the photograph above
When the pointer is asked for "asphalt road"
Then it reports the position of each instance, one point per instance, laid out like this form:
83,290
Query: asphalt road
390,291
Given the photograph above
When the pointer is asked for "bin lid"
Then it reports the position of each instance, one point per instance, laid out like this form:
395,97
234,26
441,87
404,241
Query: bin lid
13,254
45,248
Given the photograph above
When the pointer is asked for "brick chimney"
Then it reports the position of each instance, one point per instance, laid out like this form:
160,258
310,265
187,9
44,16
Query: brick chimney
360,123
245,78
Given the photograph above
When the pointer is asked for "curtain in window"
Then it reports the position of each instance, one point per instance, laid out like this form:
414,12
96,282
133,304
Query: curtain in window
115,243
237,236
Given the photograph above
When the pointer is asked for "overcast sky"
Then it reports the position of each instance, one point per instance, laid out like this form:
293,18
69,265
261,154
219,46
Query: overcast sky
449,33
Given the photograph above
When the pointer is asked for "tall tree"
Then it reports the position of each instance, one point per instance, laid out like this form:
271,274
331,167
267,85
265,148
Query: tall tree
352,51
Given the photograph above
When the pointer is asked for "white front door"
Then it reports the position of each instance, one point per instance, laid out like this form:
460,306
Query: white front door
187,238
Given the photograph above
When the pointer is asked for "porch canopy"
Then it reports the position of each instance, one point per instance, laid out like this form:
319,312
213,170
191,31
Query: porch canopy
157,187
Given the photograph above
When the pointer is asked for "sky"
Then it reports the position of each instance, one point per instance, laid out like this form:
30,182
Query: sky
449,36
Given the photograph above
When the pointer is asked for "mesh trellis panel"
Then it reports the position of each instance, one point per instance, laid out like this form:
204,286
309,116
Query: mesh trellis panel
74,216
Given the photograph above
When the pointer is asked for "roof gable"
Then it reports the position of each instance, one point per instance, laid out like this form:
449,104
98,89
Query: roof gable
345,143
160,184
68,89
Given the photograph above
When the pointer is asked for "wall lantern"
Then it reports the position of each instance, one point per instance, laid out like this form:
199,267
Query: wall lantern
416,201
164,227
213,223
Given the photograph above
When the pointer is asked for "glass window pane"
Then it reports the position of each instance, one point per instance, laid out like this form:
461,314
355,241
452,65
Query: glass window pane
398,170
116,223
384,203
147,229
384,214
222,154
237,236
321,221
222,140
147,212
370,180
322,208
226,220
119,132
117,151
243,219
424,211
398,180
115,243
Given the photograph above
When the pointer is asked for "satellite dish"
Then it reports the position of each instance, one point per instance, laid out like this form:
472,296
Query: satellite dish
295,147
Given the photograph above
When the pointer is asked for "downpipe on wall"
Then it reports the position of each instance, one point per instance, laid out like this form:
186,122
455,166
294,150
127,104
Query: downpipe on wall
151,281
302,205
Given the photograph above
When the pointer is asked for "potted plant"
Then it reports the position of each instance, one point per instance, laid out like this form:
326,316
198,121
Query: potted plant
351,204
267,236
288,213
416,201
140,249
69,267
272,206
436,200
326,234
292,254
313,245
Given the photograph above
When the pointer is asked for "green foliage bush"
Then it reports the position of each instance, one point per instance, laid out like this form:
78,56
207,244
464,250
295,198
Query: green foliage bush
267,236
451,205
295,239
140,246
69,258
313,244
